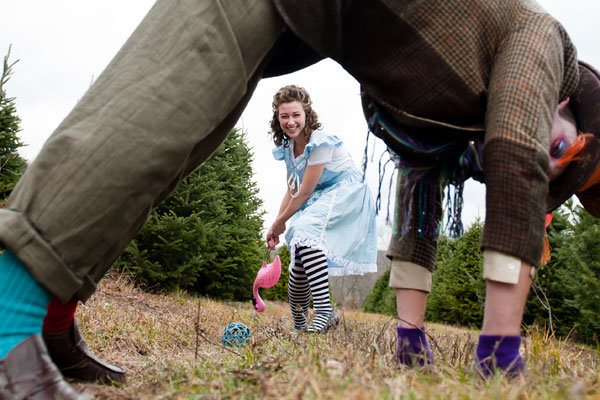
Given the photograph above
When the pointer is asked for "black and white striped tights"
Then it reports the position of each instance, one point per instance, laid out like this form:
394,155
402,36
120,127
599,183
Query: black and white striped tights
308,276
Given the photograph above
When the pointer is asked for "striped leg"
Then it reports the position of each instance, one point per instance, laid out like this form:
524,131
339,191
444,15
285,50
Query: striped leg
315,265
299,295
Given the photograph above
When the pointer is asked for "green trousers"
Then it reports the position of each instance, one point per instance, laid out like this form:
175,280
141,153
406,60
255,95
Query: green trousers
162,106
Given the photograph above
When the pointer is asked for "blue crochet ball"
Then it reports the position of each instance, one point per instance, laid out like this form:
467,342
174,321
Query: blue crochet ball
236,334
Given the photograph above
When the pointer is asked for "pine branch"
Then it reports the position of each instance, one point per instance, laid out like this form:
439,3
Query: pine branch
6,71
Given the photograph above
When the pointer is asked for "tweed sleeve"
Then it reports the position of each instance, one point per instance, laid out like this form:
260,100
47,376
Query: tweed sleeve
528,78
413,244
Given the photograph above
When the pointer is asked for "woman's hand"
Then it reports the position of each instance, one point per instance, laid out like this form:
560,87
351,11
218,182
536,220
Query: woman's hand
290,205
276,229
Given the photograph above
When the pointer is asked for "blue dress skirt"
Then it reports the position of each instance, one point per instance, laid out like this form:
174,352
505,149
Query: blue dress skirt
338,218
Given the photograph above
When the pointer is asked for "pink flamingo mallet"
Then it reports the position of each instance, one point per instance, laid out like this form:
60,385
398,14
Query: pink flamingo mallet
267,277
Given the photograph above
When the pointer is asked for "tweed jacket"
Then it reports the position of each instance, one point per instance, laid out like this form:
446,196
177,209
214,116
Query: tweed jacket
496,68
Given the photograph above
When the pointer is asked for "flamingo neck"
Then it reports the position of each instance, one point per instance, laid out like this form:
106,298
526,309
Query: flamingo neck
259,304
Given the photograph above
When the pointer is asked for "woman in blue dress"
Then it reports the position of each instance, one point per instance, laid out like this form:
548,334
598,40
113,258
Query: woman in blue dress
327,205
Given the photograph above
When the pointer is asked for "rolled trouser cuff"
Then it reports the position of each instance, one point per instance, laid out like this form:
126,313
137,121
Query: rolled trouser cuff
35,252
407,275
503,268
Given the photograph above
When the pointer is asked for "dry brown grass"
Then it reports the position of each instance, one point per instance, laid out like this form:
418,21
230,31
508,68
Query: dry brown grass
154,337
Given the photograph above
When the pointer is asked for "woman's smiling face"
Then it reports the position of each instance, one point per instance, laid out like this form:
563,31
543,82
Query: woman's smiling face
563,134
292,119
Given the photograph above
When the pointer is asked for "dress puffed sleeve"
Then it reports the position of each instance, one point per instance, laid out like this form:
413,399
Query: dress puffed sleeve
319,149
279,153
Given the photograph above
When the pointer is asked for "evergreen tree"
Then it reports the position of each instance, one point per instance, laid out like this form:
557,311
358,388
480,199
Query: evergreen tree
565,295
458,292
12,164
578,268
546,304
382,299
206,236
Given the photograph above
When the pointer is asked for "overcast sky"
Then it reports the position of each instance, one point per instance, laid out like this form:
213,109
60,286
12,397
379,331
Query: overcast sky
63,45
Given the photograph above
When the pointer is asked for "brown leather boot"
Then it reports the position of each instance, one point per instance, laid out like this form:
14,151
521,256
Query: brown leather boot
28,373
72,356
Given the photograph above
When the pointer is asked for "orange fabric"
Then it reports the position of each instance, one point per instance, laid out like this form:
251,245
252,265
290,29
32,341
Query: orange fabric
574,149
546,252
595,178
548,220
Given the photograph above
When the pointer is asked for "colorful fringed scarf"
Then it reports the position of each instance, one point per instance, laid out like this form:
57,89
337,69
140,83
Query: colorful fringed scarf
427,165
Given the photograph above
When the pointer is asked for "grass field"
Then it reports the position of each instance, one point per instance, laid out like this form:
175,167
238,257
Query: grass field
155,338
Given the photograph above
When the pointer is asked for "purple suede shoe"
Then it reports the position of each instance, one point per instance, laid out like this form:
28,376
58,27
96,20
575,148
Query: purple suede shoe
412,348
499,354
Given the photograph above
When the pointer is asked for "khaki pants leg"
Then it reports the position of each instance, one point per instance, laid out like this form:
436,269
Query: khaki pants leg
161,107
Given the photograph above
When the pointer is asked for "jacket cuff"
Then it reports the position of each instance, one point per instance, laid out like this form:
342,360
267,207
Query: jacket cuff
516,190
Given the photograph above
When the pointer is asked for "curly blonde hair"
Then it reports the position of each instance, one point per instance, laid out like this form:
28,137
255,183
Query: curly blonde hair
287,94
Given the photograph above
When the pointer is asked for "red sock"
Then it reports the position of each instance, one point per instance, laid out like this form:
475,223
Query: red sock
59,316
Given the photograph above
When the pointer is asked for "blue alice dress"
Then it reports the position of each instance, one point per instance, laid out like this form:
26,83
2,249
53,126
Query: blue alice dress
339,217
